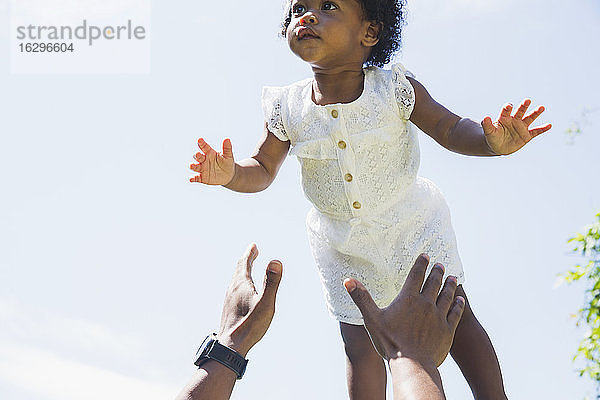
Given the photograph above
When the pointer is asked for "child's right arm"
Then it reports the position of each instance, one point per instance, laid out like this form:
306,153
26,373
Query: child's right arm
250,175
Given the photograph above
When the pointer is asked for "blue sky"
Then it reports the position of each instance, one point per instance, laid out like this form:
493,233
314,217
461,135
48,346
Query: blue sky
113,267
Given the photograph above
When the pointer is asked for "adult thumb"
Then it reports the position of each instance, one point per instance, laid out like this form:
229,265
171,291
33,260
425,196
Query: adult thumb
362,298
272,280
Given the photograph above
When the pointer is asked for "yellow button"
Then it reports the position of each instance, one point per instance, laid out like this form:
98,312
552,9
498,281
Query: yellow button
342,144
348,177
356,205
334,113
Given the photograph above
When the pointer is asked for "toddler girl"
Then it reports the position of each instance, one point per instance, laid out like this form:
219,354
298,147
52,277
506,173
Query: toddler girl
372,214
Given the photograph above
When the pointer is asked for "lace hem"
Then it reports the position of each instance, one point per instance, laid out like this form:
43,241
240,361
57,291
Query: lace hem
379,250
403,90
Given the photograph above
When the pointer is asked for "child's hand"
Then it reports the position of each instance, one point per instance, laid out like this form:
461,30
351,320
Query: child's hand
510,133
213,168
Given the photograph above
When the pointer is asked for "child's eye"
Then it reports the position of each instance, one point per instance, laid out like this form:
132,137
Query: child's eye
328,6
298,9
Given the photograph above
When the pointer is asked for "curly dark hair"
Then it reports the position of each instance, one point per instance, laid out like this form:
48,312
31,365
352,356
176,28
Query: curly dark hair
390,14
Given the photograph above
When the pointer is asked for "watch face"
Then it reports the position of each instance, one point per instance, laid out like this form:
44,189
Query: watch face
205,346
202,353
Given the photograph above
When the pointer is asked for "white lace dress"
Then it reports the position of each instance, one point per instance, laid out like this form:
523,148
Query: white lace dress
372,215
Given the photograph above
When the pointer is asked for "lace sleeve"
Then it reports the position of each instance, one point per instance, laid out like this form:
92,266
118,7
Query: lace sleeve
403,90
271,104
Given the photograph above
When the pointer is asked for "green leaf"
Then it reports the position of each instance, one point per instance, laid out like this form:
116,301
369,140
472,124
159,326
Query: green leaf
587,244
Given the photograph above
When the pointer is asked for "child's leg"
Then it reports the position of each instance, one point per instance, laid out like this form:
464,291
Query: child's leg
473,352
365,369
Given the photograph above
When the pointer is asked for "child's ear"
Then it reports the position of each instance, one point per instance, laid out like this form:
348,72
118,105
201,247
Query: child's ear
371,37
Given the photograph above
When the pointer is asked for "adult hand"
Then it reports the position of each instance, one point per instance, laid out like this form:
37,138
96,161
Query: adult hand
247,314
419,324
245,320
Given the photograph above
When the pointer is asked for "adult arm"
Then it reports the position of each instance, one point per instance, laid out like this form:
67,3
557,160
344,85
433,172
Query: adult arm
414,380
212,381
245,319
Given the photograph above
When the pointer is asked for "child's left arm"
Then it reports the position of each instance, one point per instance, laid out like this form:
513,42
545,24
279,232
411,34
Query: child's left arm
462,135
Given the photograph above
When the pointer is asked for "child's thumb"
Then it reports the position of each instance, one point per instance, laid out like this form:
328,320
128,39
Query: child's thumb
227,149
487,125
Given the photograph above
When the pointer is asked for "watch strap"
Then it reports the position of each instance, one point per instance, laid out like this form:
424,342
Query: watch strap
224,355
229,358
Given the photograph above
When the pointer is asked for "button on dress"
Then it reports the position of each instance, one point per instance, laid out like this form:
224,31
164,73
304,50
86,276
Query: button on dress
372,215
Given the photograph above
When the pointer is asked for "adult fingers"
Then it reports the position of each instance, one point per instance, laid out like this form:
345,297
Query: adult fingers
432,285
456,312
522,108
227,149
446,296
362,298
416,275
244,265
271,282
205,147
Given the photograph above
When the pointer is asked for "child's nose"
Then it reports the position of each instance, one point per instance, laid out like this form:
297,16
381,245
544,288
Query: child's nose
311,19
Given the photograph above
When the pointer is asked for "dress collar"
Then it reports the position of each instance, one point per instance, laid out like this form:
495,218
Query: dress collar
308,92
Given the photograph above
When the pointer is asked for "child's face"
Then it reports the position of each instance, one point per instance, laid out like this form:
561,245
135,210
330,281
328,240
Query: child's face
329,34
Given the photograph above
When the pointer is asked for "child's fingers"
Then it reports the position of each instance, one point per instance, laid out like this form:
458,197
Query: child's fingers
533,115
227,149
197,178
539,130
204,146
196,167
523,108
200,157
506,111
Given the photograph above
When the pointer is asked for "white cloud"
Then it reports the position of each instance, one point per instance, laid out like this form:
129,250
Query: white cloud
28,325
33,344
50,376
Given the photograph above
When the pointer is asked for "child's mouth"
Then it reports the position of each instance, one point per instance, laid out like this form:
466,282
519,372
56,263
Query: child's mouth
306,33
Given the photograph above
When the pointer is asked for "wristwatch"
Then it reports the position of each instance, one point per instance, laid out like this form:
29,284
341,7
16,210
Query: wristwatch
211,349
